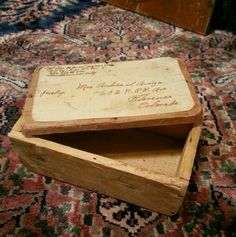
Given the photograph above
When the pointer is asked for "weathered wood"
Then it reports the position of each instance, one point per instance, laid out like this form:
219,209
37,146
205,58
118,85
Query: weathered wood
192,15
118,172
109,96
189,150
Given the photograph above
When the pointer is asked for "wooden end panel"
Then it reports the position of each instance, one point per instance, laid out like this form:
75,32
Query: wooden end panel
189,151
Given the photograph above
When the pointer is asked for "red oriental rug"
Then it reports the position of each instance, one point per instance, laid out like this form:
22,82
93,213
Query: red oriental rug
34,32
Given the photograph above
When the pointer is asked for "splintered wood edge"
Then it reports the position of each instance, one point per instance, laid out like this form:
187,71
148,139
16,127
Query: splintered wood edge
32,127
189,151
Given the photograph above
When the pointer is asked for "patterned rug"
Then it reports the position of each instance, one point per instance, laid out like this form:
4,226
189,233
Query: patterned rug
34,32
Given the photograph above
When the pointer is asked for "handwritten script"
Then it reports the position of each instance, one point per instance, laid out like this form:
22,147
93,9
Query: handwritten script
87,69
142,94
110,90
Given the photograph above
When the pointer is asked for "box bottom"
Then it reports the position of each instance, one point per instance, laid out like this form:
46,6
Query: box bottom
137,147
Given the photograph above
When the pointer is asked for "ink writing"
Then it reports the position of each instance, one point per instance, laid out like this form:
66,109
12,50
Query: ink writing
55,93
78,70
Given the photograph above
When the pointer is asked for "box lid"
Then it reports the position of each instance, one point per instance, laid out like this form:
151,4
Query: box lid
69,98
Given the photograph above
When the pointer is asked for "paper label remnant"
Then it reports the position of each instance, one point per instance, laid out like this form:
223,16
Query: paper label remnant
106,90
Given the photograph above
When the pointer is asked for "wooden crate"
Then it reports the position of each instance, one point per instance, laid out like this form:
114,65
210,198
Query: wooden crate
143,157
192,15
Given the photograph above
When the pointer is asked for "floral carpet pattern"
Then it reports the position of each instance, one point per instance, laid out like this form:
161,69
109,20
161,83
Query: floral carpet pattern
35,32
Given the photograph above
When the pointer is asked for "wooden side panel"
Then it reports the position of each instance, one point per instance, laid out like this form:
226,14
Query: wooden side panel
189,151
134,185
192,15
179,131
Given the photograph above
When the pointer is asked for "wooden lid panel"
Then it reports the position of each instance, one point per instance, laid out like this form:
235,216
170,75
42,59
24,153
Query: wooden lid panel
66,98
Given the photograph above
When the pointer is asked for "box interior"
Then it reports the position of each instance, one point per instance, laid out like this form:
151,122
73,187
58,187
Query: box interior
145,148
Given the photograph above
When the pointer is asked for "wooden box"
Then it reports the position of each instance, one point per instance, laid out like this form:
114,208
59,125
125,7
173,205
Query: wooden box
192,15
127,129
